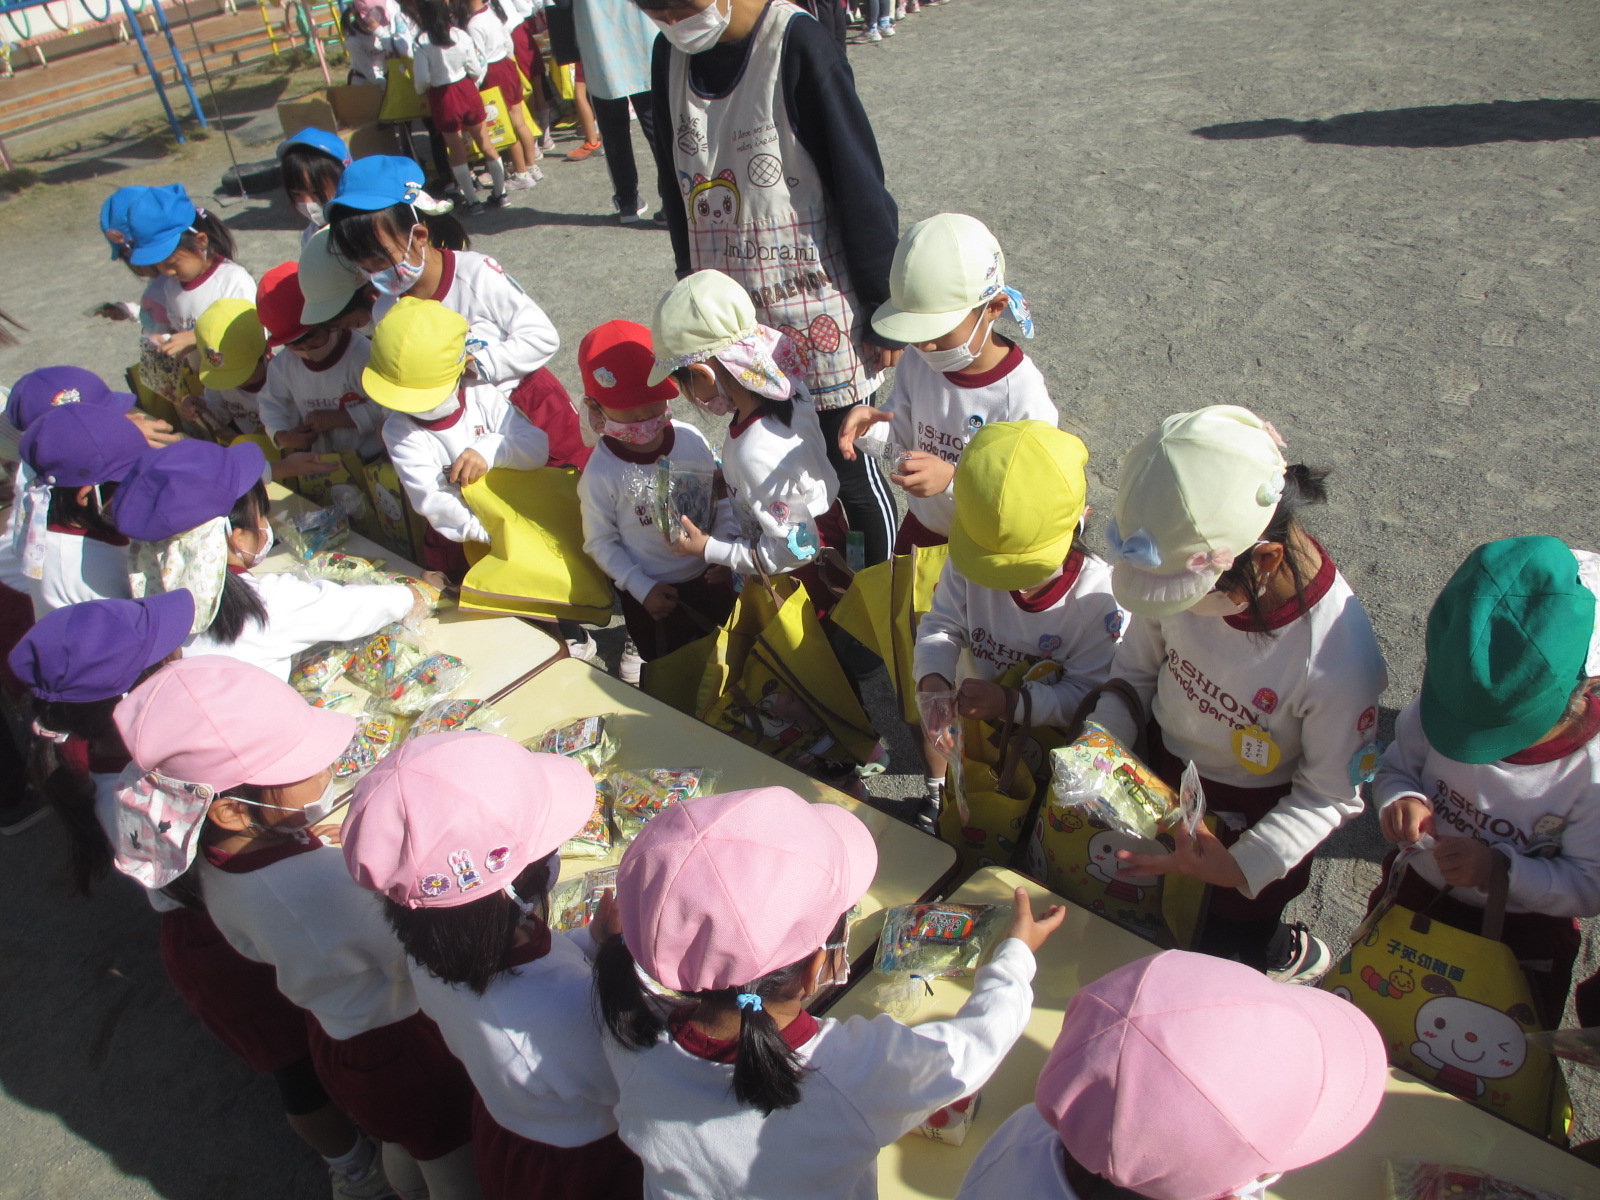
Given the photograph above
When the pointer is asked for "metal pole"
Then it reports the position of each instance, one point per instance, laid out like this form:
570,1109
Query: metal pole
155,76
183,71
272,38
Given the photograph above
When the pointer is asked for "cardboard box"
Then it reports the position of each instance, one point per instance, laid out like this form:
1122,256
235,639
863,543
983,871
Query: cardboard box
356,104
313,111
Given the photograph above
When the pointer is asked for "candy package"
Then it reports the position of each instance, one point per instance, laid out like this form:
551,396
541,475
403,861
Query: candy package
1440,1181
433,596
329,699
1191,798
314,669
377,734
451,716
683,490
951,1123
923,942
943,729
1100,775
436,676
637,796
595,839
380,661
312,532
574,901
585,739
339,567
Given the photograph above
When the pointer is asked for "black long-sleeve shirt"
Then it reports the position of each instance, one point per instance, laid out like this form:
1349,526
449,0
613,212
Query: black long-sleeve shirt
819,91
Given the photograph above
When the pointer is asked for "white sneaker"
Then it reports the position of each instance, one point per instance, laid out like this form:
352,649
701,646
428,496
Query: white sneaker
630,664
1304,958
584,651
888,28
547,141
535,173
641,211
874,36
519,183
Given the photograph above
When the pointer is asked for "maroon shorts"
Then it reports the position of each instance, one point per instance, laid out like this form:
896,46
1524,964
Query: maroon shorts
914,534
456,106
234,997
511,1167
1547,947
656,639
16,618
502,74
541,398
400,1084
526,51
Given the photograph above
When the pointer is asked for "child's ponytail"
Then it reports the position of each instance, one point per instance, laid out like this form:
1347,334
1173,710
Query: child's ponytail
218,236
620,996
766,1070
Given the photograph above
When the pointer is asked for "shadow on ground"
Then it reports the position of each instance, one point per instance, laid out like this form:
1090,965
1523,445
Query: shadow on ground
1433,127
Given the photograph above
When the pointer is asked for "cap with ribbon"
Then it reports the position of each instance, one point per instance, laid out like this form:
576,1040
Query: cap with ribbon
943,268
382,181
114,219
709,315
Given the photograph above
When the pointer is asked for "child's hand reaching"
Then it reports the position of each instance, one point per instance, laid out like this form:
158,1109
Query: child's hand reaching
1200,855
300,437
326,420
663,598
981,700
302,462
176,345
156,431
1406,820
856,423
469,467
1464,861
1033,930
924,475
693,542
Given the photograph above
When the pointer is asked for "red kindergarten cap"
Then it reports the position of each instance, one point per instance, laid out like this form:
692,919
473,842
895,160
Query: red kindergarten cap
616,360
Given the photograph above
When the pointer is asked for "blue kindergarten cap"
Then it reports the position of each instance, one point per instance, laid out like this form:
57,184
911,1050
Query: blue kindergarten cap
37,392
157,222
114,219
330,144
182,486
80,446
382,181
98,649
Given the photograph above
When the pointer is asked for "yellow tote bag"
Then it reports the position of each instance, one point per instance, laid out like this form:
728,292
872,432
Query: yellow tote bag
497,122
692,677
881,611
1454,1008
399,527
534,565
401,101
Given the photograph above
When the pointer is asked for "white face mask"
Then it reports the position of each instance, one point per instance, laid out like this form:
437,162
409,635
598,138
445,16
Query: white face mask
1256,1189
447,409
269,539
315,813
958,357
311,211
699,32
1216,604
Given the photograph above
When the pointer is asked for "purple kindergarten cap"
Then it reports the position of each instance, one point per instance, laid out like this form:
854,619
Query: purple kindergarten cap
182,486
39,391
98,649
80,446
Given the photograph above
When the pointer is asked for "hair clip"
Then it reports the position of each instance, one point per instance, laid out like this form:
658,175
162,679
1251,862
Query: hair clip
49,735
749,1000
1220,559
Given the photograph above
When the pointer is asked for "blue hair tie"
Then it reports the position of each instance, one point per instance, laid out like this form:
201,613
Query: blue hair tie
749,1000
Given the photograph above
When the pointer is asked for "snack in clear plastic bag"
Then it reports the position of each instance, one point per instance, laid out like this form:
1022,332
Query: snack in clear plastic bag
574,901
637,796
435,676
327,699
1191,798
942,726
314,531
893,457
595,839
381,660
1441,1181
585,739
339,567
377,734
1581,1046
682,490
1099,774
931,941
314,669
951,1123
433,596
450,715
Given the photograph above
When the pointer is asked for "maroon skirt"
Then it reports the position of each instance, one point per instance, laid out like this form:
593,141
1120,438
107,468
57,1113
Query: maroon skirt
399,1083
527,52
511,1167
502,73
456,106
541,398
234,997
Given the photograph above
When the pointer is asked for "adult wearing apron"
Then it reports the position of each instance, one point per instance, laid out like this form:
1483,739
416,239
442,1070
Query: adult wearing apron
770,173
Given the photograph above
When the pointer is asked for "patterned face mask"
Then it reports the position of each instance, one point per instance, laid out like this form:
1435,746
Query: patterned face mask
637,433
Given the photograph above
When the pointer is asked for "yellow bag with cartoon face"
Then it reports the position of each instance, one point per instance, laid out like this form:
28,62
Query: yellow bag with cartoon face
398,525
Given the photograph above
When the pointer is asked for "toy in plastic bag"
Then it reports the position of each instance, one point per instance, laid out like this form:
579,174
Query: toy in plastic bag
329,699
924,942
596,838
942,727
1099,774
381,660
585,739
314,669
893,457
1191,798
452,716
377,734
951,1123
339,567
574,901
314,531
637,796
1441,1181
434,598
682,490
434,677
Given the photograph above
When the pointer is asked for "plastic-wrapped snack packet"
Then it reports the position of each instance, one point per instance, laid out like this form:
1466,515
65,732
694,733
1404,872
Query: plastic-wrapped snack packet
585,739
314,531
314,669
682,490
339,567
573,902
159,373
595,839
435,676
450,715
1442,1181
943,728
328,699
1099,774
637,796
377,734
893,456
381,660
923,942
436,599
951,1123
1191,798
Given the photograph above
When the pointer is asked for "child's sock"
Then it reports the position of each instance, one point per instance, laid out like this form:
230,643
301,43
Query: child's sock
934,788
358,1161
497,172
463,174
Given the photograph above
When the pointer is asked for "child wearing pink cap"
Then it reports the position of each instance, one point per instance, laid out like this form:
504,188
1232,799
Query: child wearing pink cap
1137,1103
461,833
237,771
739,902
78,662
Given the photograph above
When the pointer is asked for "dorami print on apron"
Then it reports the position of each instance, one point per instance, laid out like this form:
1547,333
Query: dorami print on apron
758,212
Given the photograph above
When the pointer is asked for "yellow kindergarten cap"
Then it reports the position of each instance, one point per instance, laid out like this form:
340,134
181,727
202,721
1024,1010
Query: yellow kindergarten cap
231,342
419,351
1019,494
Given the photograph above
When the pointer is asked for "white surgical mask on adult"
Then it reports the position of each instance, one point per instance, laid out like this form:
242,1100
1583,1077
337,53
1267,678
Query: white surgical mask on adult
958,358
441,411
311,211
699,32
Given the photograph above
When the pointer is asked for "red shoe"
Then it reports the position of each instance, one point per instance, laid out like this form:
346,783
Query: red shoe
583,152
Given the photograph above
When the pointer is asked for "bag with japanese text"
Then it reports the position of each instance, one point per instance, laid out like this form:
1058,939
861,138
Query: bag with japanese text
1454,1007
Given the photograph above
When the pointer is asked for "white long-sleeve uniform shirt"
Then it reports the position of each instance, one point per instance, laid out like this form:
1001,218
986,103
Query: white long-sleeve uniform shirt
1541,808
422,456
531,1044
508,335
1298,707
865,1083
177,306
1076,623
295,389
619,527
439,66
302,613
490,35
938,412
1022,1161
238,407
325,934
779,482
369,55
76,568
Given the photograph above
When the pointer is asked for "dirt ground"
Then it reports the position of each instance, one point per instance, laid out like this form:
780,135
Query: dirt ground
1373,223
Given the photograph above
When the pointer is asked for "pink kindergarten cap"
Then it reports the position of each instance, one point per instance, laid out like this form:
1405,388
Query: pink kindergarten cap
717,892
451,817
1187,1077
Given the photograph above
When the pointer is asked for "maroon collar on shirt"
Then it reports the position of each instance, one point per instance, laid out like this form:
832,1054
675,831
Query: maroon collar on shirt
535,948
94,535
737,426
1293,610
995,374
243,864
629,455
1058,588
447,422
722,1050
235,569
216,261
333,359
447,276
1568,743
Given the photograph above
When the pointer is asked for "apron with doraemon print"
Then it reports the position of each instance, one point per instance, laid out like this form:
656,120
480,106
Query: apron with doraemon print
759,213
